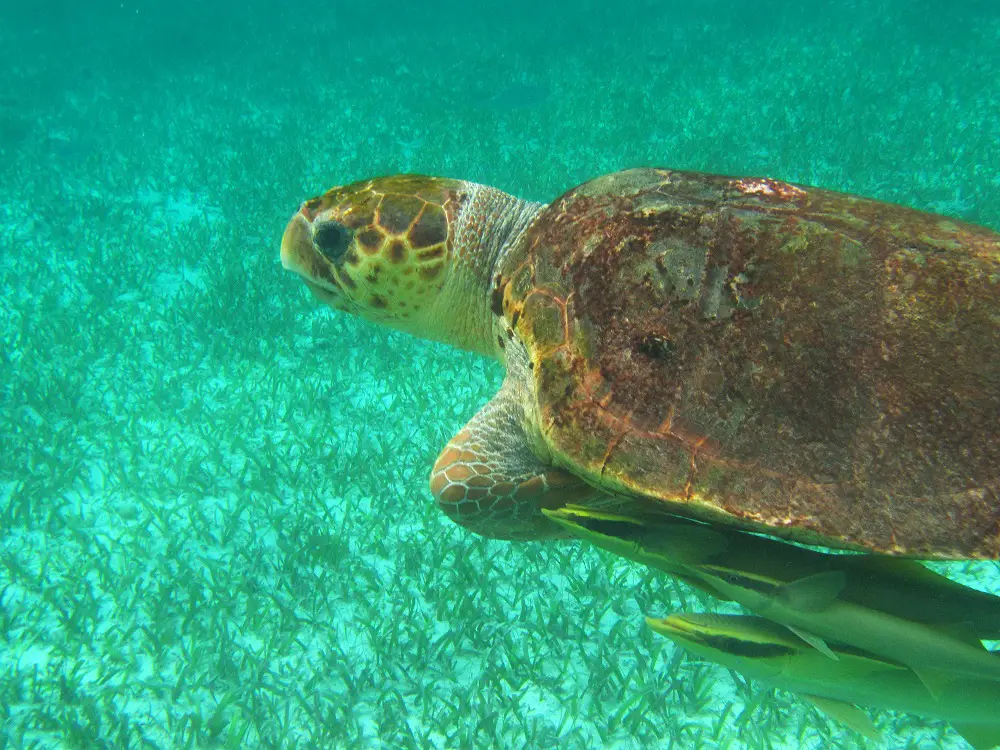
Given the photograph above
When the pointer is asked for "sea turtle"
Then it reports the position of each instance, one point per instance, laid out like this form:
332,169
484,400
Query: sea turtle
813,365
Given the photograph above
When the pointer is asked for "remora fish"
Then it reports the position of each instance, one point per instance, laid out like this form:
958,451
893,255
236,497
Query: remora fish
762,650
897,609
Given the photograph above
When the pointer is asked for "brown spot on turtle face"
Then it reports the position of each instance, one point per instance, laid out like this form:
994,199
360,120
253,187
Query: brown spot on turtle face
351,257
397,212
373,273
370,241
430,229
348,282
378,302
434,254
429,273
397,251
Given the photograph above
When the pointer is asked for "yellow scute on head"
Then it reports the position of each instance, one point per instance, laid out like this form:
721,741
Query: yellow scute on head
379,248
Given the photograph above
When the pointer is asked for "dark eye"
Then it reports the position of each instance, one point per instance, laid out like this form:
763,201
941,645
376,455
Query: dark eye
332,240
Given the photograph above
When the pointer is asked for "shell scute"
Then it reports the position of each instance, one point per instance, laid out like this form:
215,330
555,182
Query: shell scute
544,316
790,359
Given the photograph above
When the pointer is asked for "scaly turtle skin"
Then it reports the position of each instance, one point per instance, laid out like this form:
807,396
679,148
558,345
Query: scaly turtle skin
795,361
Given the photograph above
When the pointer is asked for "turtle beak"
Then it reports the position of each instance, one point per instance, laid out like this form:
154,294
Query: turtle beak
297,245
300,255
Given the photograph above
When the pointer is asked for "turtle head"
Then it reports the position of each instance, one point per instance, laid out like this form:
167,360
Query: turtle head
419,254
380,249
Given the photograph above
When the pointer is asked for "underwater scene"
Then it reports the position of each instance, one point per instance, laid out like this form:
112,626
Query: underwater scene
217,522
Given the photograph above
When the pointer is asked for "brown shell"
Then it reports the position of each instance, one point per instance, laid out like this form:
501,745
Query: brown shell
811,364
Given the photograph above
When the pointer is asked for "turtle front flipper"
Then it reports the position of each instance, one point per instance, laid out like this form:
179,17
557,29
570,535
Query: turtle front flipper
489,480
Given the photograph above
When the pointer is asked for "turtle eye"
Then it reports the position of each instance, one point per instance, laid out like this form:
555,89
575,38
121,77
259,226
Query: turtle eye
332,239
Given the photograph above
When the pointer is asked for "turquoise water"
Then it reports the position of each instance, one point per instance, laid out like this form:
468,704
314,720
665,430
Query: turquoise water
216,529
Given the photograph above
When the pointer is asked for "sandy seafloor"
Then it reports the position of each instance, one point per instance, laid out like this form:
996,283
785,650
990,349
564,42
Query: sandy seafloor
215,529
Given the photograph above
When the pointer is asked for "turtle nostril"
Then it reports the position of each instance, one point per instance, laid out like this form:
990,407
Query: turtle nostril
332,240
